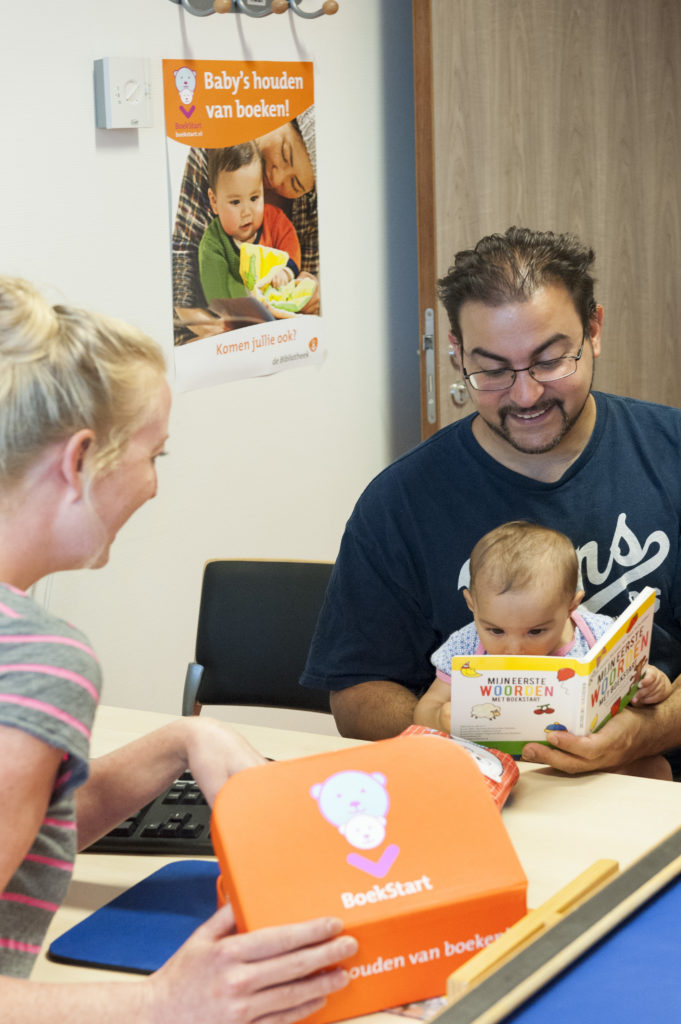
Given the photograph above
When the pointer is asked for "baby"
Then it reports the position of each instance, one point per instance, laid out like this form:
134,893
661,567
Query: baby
524,600
236,196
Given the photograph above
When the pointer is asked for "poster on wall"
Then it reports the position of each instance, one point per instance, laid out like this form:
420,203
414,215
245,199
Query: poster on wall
242,171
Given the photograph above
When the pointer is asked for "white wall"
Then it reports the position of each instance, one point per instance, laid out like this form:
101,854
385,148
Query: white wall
258,468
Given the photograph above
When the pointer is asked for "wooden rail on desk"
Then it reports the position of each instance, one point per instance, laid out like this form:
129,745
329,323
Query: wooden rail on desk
518,977
530,928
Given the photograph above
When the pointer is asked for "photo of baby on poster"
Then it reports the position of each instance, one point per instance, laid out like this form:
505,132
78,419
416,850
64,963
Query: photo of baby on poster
243,199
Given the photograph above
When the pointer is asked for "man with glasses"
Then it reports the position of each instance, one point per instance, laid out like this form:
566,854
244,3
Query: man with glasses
540,446
545,371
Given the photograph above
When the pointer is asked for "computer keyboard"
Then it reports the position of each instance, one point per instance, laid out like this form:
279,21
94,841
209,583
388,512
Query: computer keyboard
176,822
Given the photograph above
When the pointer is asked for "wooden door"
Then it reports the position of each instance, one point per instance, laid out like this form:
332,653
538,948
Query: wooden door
560,115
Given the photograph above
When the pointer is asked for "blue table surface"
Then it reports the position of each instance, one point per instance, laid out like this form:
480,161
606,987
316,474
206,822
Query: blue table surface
632,974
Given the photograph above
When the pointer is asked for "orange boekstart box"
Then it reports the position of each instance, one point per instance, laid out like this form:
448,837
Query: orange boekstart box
400,838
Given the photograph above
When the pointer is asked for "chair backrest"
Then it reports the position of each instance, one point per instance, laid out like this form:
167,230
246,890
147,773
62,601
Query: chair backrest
256,621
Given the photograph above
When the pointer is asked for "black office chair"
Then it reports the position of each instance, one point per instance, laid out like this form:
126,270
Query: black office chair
256,621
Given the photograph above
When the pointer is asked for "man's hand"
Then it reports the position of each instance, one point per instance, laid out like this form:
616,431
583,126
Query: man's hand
614,746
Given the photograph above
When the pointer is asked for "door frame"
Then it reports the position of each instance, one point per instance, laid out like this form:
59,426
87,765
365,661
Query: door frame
424,142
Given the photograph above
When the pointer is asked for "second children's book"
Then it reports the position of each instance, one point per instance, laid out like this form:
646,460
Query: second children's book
509,700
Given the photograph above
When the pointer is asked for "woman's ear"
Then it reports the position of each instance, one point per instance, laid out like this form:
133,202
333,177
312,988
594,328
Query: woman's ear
73,460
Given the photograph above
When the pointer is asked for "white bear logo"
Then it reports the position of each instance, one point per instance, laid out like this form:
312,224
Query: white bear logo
363,831
357,804
185,83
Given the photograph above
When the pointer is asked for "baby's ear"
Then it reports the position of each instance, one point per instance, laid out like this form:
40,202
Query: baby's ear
579,597
469,600
213,201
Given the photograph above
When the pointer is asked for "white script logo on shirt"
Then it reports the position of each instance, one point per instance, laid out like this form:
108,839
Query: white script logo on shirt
625,552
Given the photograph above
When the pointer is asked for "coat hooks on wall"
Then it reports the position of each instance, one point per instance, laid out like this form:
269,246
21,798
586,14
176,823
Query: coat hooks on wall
254,8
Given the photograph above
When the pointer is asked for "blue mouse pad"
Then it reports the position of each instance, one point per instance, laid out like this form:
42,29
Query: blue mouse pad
140,929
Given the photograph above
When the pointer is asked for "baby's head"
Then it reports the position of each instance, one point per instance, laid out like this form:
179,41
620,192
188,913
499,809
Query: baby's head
236,189
523,589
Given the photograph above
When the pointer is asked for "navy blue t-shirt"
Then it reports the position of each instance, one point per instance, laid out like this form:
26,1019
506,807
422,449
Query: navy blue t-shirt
396,591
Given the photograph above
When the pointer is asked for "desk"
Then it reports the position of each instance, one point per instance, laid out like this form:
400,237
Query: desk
558,825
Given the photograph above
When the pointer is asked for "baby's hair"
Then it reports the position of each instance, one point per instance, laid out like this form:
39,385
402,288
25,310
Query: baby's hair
64,369
519,554
231,158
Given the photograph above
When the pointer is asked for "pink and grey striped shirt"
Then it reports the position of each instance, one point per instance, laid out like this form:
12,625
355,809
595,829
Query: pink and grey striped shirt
50,683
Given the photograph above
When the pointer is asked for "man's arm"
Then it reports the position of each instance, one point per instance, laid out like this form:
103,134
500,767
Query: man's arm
375,710
628,736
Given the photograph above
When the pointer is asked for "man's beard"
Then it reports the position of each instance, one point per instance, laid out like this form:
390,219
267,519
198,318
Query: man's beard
567,423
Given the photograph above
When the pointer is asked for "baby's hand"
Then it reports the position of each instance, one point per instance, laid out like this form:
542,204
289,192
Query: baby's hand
312,304
281,277
444,723
653,687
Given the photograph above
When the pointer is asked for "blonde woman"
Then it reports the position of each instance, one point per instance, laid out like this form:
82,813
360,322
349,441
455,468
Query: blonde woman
84,407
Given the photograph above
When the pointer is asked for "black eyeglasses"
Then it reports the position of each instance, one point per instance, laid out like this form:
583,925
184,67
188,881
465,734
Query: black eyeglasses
543,371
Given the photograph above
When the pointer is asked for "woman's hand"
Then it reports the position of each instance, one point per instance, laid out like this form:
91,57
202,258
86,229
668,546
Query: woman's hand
215,752
274,975
128,778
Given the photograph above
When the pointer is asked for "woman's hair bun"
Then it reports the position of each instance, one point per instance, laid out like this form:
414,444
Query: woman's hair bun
63,369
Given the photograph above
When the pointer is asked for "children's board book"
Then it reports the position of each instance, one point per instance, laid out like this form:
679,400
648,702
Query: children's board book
507,701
